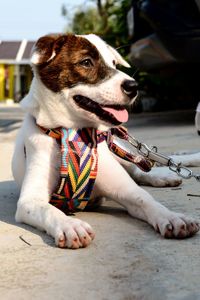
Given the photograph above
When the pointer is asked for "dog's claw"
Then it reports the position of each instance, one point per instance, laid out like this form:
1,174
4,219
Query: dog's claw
74,234
175,225
62,242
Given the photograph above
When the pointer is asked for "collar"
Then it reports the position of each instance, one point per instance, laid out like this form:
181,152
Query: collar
110,136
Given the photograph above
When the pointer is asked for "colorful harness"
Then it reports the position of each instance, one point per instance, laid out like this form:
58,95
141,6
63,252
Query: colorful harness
79,162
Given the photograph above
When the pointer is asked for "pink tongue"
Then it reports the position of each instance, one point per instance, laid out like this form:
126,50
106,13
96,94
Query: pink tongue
120,115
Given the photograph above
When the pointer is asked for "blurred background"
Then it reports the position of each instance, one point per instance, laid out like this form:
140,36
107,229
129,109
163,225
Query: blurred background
160,38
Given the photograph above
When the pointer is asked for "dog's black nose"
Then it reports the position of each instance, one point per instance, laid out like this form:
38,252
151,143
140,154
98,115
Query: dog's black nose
129,87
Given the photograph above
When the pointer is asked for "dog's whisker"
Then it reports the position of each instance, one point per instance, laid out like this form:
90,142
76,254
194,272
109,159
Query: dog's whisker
123,46
136,71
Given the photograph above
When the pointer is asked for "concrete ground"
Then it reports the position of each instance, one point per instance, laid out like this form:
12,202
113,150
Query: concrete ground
127,259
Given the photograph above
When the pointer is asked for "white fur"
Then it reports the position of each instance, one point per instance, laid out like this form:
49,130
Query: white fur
108,53
190,160
35,58
38,173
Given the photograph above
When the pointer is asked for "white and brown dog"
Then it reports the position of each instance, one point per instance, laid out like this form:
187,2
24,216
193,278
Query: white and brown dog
76,85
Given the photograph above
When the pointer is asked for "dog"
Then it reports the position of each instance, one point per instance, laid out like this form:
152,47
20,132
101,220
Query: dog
76,85
187,159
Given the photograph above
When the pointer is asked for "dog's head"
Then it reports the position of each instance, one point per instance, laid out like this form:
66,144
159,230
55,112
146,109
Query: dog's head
79,75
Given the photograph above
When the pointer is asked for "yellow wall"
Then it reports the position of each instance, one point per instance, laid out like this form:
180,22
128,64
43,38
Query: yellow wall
11,82
1,82
10,85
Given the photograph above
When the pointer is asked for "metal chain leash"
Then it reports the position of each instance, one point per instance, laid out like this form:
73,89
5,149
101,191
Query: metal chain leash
152,154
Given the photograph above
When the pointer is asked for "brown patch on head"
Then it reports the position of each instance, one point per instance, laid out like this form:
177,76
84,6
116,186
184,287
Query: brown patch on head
67,60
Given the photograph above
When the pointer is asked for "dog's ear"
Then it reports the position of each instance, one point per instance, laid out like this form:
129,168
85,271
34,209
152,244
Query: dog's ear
119,58
46,48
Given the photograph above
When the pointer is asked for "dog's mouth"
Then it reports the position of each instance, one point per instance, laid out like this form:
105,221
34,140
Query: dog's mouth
113,114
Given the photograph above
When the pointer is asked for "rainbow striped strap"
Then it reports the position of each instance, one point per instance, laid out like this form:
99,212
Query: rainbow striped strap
78,168
79,162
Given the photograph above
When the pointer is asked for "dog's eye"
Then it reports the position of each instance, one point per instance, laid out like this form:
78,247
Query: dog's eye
87,63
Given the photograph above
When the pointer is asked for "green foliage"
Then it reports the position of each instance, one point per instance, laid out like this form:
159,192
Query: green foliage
107,19
85,22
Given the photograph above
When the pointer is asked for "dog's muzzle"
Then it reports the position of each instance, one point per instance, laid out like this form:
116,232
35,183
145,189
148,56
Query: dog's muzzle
112,114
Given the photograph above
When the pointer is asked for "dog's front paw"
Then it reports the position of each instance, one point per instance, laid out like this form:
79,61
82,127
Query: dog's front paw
73,233
175,225
162,177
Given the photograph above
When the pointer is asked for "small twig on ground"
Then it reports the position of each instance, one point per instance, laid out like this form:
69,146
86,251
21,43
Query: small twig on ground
21,238
193,195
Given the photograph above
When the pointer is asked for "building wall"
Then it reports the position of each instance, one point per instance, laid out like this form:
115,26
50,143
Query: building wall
1,81
14,81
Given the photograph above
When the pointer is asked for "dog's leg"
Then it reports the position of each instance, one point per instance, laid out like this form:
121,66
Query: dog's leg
115,183
33,208
190,160
18,160
157,177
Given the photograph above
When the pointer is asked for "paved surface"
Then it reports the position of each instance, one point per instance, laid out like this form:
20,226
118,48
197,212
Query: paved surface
127,260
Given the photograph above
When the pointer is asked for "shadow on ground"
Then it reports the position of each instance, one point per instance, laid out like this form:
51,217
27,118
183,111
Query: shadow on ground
8,204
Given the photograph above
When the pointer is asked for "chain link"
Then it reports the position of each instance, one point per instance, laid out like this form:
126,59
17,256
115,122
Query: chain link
154,156
180,170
